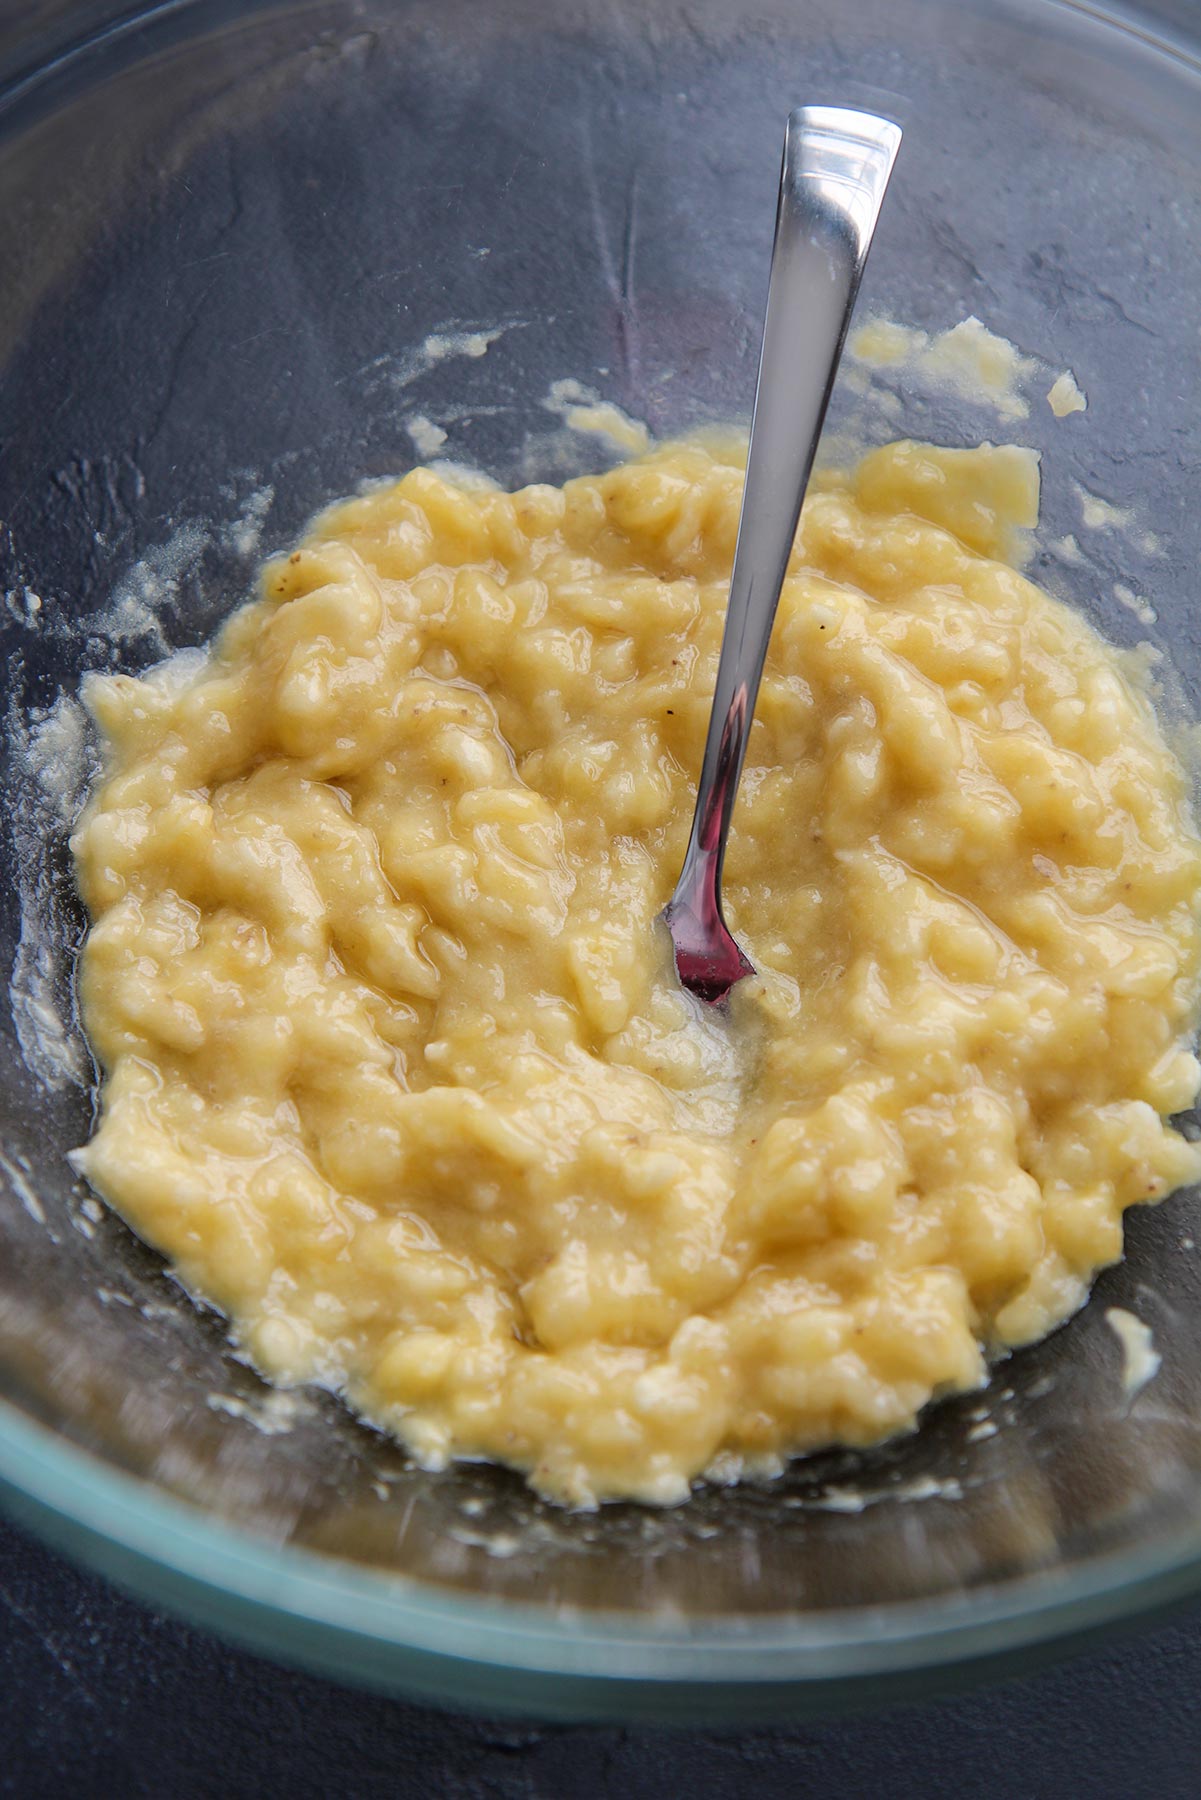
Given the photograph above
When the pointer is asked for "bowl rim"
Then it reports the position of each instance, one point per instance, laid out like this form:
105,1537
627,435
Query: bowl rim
257,1590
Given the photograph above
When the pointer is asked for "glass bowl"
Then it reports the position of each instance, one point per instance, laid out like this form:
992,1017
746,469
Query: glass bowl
249,250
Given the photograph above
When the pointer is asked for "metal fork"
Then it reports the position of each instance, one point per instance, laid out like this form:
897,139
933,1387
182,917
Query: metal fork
836,169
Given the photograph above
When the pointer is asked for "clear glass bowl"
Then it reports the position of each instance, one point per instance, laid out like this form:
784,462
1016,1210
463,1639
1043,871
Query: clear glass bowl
229,233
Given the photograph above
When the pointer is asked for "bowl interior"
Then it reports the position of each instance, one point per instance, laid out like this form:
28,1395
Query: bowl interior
250,251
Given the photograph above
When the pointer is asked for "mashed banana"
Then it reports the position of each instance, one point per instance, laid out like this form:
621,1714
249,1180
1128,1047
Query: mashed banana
397,1071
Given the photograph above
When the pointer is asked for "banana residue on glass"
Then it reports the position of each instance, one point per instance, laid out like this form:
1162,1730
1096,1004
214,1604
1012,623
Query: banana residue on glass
1065,396
396,1069
1141,1361
968,360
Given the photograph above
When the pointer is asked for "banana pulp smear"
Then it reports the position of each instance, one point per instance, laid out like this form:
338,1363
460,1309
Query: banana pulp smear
397,1070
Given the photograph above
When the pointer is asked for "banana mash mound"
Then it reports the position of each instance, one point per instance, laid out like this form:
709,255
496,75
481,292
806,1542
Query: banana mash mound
397,1070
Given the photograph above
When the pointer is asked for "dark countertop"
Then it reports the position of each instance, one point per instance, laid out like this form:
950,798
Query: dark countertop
100,1696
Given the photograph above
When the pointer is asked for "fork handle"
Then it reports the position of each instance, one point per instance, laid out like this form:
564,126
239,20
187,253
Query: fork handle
836,168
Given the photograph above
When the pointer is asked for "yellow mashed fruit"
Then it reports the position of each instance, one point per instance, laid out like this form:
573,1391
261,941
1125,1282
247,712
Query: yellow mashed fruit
397,1069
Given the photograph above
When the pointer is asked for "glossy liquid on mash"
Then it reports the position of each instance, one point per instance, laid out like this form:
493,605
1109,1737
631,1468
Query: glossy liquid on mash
396,1068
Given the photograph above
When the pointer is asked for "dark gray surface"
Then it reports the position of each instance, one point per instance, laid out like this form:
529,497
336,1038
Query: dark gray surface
100,1696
